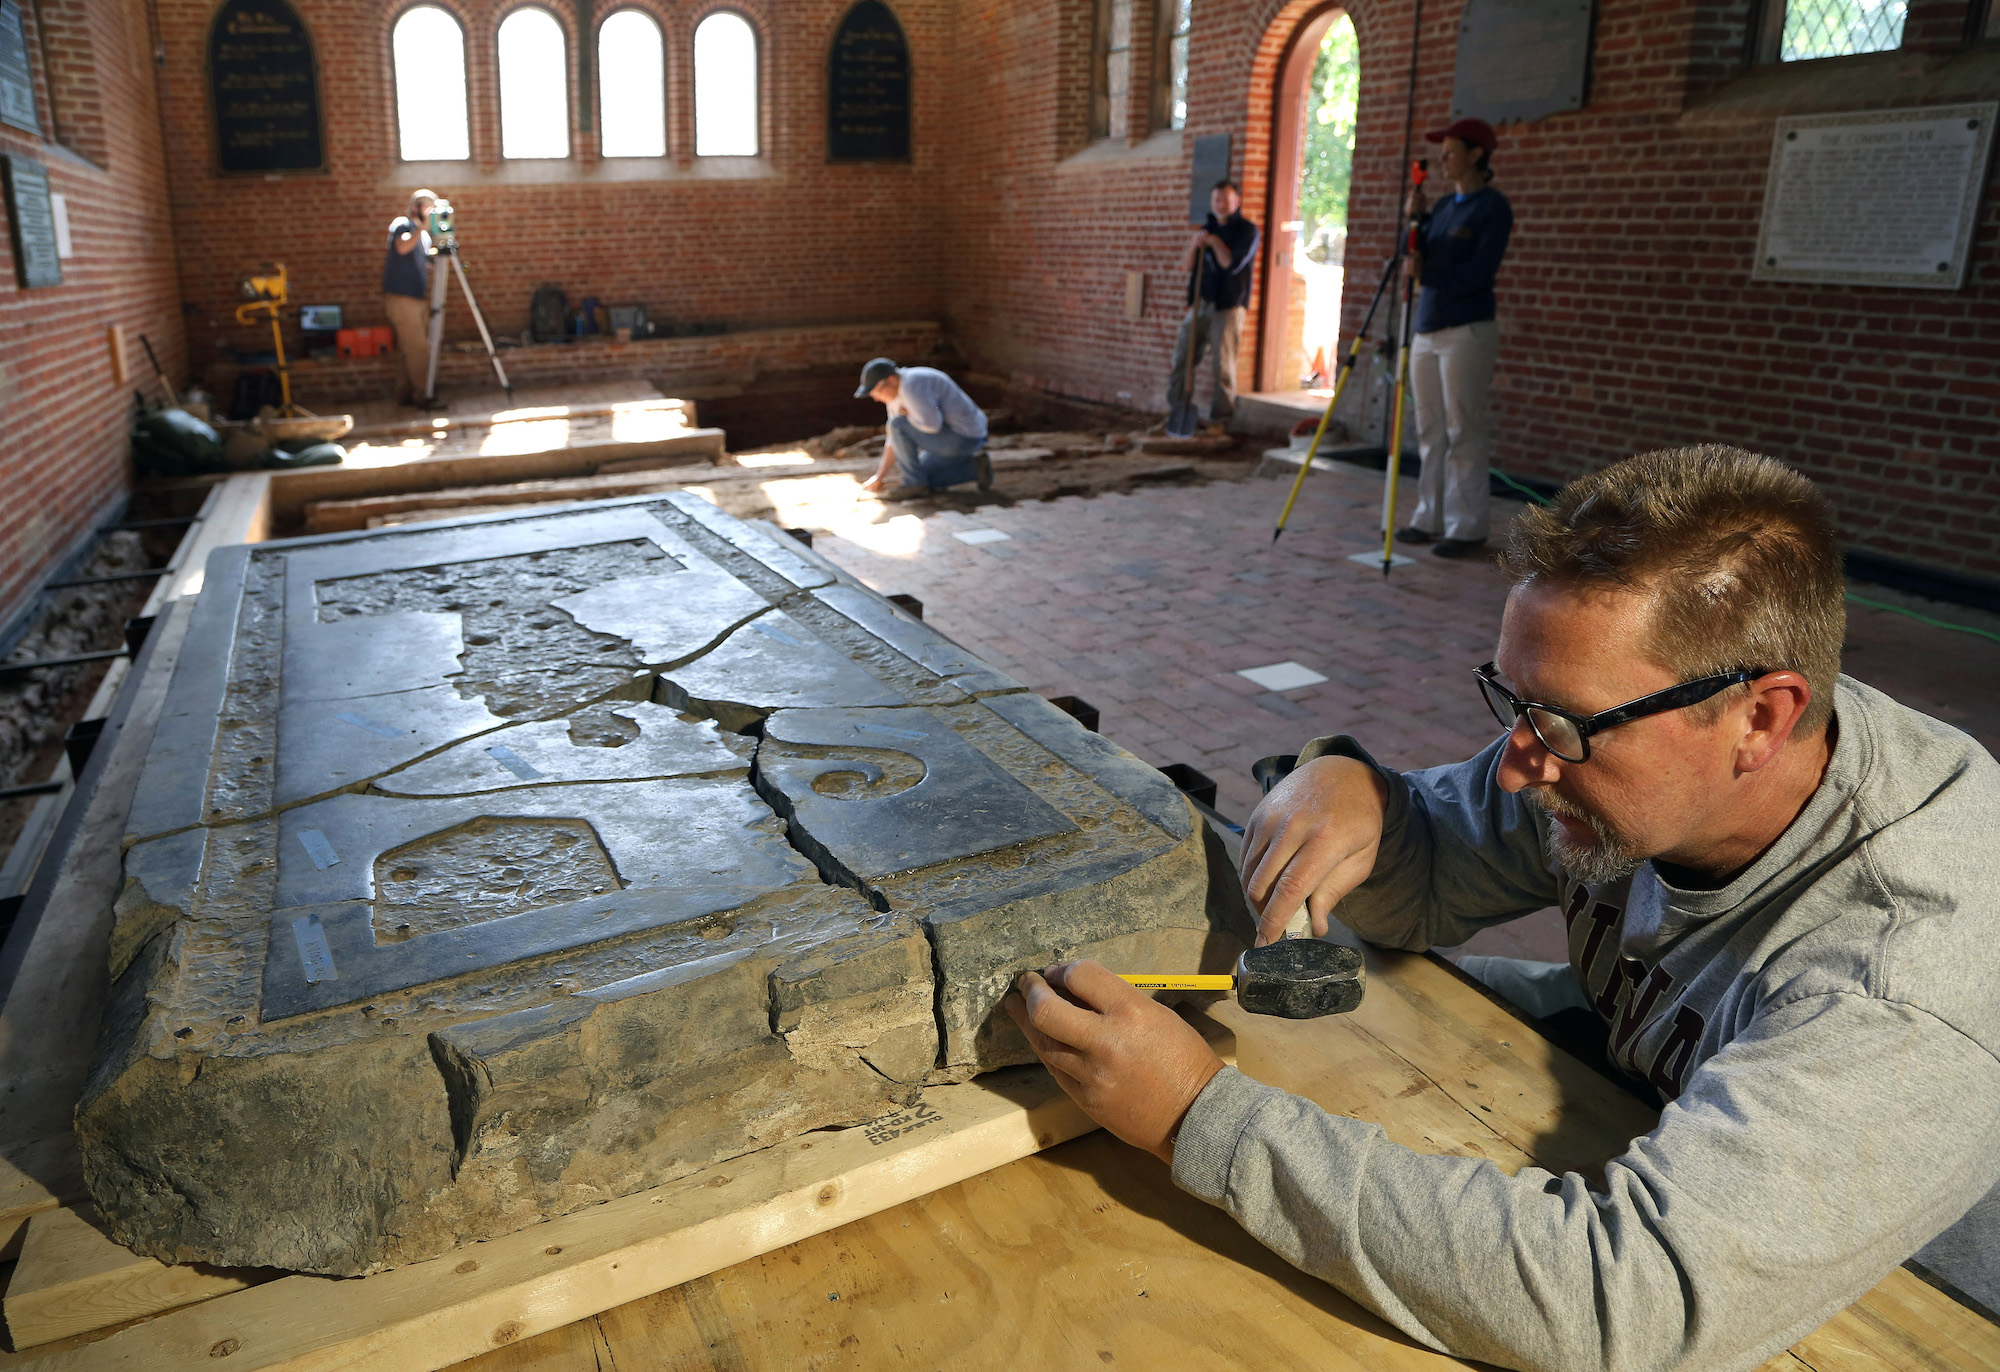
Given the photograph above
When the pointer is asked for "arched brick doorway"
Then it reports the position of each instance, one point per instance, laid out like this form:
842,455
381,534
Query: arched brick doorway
1293,40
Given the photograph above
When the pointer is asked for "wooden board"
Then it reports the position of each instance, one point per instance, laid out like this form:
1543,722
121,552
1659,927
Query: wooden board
347,515
497,1293
1087,1255
72,1279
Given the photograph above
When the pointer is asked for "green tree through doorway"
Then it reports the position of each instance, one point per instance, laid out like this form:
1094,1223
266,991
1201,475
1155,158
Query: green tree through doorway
1329,144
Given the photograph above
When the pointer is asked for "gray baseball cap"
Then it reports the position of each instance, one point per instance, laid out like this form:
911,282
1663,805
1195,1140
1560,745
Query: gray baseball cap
874,374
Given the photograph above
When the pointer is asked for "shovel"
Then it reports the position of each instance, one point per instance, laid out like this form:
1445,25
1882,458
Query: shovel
1182,419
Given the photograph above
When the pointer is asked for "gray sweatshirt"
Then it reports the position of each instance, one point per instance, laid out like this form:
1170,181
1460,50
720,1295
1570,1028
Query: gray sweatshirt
1823,1028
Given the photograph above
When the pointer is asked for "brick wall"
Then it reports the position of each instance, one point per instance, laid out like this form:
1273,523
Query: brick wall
786,239
1628,318
63,419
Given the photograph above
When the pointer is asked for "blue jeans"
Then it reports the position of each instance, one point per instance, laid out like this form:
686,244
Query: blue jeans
944,458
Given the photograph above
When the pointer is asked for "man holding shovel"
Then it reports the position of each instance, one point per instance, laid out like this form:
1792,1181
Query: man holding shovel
1221,252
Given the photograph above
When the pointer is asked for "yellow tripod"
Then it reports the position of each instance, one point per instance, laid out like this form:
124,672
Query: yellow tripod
1346,370
266,295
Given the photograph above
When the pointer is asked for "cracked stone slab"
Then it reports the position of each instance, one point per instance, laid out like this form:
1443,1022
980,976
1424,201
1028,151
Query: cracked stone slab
668,618
886,791
660,743
772,663
487,870
917,641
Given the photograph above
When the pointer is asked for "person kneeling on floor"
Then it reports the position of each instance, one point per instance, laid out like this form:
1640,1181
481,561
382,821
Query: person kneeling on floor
937,435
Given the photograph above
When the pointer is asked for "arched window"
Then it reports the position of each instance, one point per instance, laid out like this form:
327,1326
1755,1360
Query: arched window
534,86
632,85
427,48
725,86
1170,67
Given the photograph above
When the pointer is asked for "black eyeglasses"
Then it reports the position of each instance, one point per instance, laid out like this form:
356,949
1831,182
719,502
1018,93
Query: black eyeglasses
1567,734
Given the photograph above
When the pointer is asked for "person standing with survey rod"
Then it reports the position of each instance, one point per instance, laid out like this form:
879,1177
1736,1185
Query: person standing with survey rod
1222,252
1459,244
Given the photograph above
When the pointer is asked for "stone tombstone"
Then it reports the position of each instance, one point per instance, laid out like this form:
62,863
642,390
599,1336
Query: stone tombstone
868,88
1880,198
31,223
486,870
17,81
1521,60
264,85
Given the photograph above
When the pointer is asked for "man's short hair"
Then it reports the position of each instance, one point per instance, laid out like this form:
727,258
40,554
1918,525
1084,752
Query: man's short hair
1738,552
1225,184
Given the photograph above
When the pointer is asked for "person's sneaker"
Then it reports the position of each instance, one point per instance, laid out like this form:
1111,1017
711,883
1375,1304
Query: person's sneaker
1413,535
1459,547
908,493
985,472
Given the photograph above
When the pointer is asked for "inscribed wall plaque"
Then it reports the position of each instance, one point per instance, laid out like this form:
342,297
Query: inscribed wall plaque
17,84
868,88
1521,60
265,87
31,222
1881,198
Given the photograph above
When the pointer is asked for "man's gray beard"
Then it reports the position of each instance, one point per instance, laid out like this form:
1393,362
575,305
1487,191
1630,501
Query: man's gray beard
1604,859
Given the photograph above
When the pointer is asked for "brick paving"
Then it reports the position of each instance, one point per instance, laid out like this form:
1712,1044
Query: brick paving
1147,605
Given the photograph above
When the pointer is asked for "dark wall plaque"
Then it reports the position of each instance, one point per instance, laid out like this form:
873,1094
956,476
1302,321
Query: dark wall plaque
1211,164
31,222
868,88
1521,60
17,84
265,86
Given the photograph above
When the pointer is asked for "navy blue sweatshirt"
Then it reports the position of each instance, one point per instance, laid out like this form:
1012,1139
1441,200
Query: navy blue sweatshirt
1463,239
1228,288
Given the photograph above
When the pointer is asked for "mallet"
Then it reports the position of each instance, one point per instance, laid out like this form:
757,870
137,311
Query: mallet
1294,978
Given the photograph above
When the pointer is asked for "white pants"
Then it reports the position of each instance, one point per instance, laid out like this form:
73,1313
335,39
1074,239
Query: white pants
1450,372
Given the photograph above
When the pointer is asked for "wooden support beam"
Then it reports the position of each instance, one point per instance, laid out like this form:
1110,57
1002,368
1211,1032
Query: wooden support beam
72,1278
493,1294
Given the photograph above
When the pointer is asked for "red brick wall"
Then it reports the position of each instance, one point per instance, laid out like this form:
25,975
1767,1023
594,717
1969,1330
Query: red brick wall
796,242
63,419
1628,318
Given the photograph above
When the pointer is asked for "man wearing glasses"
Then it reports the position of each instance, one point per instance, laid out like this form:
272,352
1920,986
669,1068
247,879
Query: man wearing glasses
1782,891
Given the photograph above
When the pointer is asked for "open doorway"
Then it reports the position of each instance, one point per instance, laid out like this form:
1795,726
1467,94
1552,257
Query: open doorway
1312,161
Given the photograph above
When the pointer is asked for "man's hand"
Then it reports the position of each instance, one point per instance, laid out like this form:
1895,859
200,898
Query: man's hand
1311,841
874,482
1132,1064
1413,204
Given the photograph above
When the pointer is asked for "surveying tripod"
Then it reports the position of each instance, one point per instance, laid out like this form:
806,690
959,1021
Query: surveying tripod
445,244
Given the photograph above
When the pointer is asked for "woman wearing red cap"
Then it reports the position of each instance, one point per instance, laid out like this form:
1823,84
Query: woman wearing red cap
1460,242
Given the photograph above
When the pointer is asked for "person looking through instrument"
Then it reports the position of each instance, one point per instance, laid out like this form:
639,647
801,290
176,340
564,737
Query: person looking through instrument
1460,242
406,289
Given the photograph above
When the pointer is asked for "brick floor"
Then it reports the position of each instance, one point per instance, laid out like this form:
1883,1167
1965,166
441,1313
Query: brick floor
1146,605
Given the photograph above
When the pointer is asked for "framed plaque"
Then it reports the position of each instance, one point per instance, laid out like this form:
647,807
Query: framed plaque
868,88
1521,60
17,82
264,84
1882,198
31,223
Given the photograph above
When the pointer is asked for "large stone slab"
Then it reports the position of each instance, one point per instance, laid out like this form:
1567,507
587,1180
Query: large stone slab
484,871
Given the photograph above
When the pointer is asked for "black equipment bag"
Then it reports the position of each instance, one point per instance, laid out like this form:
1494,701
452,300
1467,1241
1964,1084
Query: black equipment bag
548,314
